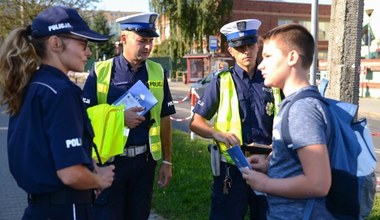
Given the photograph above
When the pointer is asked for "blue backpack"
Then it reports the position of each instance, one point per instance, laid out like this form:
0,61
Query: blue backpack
352,157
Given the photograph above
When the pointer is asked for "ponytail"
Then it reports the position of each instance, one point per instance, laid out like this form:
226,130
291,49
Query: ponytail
18,62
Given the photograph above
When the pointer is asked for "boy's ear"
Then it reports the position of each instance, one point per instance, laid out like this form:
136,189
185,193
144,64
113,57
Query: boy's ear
293,58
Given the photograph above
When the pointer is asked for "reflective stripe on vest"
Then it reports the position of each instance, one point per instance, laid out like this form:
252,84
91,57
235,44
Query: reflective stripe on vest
156,86
228,116
277,100
103,80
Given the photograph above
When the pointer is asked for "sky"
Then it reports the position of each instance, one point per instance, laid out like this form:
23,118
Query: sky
124,5
143,5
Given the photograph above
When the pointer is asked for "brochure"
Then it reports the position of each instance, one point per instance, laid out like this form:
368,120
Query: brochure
240,161
238,157
137,96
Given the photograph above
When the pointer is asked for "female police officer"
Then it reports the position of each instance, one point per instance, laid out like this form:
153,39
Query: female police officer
50,136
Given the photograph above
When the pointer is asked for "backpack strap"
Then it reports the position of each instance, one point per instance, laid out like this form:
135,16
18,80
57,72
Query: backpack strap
288,140
323,86
308,209
285,118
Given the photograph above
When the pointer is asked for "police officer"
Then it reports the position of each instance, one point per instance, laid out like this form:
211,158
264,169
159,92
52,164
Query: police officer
148,136
244,114
50,136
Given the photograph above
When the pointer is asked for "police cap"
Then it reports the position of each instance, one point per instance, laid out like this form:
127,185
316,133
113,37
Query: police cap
142,24
242,32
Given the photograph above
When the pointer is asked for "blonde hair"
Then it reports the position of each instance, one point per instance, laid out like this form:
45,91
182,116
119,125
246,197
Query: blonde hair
18,62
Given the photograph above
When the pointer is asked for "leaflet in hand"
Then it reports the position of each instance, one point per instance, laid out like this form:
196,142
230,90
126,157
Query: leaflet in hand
137,96
240,161
238,157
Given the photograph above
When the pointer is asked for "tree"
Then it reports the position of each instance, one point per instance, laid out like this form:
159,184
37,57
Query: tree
191,22
99,24
344,49
18,13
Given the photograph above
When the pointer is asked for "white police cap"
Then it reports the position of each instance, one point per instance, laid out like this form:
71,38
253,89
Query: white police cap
242,32
143,24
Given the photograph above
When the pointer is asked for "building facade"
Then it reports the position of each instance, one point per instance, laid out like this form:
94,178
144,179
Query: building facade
276,12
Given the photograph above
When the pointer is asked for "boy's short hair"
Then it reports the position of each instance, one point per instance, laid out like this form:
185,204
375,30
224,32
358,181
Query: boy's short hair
293,37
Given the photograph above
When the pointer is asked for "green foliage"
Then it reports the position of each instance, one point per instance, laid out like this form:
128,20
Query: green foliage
19,13
99,24
174,50
192,21
375,214
188,194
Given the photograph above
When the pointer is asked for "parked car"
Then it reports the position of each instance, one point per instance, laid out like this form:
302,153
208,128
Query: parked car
201,84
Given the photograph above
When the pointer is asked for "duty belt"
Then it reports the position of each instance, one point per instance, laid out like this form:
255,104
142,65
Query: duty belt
132,151
250,149
63,197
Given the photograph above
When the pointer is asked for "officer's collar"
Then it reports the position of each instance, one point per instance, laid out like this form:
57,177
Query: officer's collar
128,65
241,73
53,70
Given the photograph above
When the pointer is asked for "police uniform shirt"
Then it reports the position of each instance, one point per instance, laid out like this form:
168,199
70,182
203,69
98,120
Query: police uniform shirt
51,132
253,100
123,78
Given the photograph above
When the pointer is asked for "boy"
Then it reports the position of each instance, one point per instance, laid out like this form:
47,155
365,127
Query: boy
297,175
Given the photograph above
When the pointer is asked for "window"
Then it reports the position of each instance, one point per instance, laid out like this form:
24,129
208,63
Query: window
323,26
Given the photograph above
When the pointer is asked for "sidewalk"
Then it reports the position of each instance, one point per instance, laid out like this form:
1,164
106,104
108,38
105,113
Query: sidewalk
369,107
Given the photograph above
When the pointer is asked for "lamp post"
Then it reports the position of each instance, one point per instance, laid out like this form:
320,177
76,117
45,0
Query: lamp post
369,13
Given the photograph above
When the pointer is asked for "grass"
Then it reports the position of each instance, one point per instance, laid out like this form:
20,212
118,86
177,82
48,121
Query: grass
375,214
188,194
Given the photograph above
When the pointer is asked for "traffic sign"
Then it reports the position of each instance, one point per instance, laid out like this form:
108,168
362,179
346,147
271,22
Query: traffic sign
213,43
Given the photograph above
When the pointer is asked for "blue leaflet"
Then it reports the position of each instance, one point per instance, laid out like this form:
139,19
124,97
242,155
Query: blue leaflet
238,158
241,162
138,95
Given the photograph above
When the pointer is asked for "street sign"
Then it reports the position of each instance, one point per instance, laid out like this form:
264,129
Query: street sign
213,43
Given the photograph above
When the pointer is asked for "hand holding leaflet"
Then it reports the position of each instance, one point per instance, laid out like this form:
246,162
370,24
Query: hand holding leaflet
240,161
137,96
238,157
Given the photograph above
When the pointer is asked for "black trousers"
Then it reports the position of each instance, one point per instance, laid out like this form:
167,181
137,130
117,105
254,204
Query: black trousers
130,195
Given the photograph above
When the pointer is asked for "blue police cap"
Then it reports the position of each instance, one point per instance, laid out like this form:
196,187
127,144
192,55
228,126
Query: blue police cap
143,24
63,20
242,32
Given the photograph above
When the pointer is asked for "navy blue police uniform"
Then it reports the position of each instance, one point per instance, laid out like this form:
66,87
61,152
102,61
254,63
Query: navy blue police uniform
254,99
134,176
48,134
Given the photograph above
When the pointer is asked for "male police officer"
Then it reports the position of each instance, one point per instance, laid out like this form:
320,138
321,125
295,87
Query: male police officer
148,136
244,114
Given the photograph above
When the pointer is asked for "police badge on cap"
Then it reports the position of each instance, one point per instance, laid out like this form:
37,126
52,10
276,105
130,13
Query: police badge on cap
143,24
242,32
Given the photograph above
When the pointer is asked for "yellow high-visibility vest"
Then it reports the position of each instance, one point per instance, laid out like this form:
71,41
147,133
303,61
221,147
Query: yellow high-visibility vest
228,115
156,87
108,123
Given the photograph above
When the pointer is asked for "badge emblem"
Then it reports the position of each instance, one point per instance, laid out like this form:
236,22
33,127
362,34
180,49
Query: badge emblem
242,25
269,108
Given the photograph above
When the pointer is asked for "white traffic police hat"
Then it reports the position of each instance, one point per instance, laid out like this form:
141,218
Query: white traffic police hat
242,32
143,24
